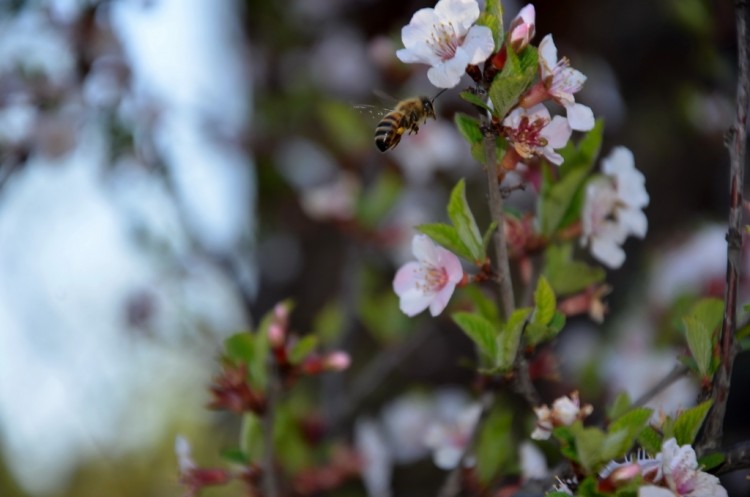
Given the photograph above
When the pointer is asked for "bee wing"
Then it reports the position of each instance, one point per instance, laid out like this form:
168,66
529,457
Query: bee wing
371,111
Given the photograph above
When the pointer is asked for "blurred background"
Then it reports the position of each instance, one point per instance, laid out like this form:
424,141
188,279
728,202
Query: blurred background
170,169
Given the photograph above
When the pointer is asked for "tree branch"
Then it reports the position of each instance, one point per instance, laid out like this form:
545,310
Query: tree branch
736,142
270,485
678,372
736,457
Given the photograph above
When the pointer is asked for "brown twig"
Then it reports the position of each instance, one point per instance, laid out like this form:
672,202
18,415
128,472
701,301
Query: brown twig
678,372
735,457
270,484
718,391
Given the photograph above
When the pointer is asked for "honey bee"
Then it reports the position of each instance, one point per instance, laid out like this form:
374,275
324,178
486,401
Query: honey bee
407,115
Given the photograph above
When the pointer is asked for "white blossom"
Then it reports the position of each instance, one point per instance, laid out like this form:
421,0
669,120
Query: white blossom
447,39
532,132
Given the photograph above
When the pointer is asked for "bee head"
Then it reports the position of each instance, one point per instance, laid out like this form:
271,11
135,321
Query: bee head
429,108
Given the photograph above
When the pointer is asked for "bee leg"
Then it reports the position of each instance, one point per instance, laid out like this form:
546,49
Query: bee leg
415,129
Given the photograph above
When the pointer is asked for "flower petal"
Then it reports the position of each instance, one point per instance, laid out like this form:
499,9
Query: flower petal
440,300
547,56
451,263
654,491
414,302
608,252
447,74
478,44
580,117
425,250
406,278
634,221
557,132
462,13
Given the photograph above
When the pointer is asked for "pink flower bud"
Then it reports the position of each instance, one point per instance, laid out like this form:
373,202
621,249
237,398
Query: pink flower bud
523,28
276,335
281,313
337,361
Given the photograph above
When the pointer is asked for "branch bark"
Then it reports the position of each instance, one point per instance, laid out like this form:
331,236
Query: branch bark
736,142
270,484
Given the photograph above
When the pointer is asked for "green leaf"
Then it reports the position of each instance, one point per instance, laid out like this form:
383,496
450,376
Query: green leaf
486,306
650,440
710,461
708,311
474,99
545,303
699,343
480,330
515,78
447,236
251,436
590,447
378,200
235,456
616,444
463,220
557,323
258,367
303,348
567,276
495,445
239,347
492,17
536,333
469,127
630,424
560,202
510,338
689,421
620,406
488,235
329,322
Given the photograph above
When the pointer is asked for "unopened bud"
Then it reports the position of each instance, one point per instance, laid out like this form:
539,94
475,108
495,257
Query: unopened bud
337,361
276,335
523,28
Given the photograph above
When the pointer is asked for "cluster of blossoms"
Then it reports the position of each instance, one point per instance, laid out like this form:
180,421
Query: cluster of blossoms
673,472
612,210
565,411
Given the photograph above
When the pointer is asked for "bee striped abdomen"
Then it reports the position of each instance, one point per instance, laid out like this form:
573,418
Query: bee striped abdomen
389,130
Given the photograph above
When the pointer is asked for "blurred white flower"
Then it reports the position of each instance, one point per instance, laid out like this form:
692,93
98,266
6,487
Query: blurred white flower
332,201
405,422
448,438
17,120
612,208
446,39
31,44
565,411
377,460
533,462
430,281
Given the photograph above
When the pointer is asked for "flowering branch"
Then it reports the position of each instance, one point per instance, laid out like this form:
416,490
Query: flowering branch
270,485
719,388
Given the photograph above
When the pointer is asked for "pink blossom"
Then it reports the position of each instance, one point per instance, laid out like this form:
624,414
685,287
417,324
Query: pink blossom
532,132
561,82
523,28
337,361
428,282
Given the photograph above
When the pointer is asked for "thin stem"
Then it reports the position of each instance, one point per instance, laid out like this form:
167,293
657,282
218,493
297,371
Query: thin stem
496,201
736,142
678,372
270,485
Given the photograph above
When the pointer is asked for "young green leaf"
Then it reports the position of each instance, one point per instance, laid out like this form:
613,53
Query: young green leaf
251,436
495,445
589,446
510,338
463,220
650,440
469,126
474,99
709,311
517,75
630,424
567,276
545,303
689,421
486,306
699,343
239,347
710,461
620,406
303,348
488,235
447,236
492,17
480,330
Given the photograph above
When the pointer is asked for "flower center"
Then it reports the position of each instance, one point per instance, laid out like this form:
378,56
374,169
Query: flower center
527,137
444,41
433,278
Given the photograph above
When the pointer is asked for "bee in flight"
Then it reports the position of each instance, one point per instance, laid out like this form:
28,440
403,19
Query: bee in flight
406,116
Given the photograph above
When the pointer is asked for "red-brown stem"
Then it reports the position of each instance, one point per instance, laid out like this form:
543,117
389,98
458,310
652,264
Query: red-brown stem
718,390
